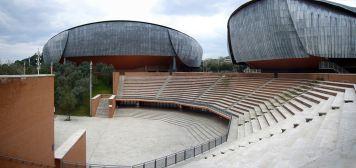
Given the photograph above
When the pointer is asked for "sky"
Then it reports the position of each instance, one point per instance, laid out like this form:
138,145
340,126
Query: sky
26,25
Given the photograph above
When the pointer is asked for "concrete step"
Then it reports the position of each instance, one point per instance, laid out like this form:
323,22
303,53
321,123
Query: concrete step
241,132
277,115
255,125
311,98
325,91
262,121
233,130
258,111
274,102
253,114
241,120
268,105
285,112
338,101
331,87
304,102
289,108
270,119
296,105
317,94
248,128
349,95
326,138
263,108
247,116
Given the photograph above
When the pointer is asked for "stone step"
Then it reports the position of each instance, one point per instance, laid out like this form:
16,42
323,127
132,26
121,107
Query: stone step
270,119
338,101
277,115
349,95
285,112
262,121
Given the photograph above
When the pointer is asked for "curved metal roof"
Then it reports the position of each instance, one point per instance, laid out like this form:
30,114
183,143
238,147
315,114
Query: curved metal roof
347,9
123,37
134,21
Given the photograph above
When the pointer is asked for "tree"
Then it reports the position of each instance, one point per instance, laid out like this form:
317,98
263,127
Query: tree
68,102
105,72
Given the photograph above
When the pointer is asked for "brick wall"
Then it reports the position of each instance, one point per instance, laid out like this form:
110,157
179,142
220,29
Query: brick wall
26,119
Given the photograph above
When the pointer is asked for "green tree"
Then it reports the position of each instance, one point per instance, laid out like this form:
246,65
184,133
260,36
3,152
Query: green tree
68,102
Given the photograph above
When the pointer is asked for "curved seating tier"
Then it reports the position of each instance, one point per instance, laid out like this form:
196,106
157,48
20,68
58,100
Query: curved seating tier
264,107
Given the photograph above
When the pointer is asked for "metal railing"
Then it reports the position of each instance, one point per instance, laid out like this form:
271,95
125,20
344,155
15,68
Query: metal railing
162,161
182,155
332,66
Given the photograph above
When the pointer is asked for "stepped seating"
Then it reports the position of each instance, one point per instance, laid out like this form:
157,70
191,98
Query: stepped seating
201,129
349,96
142,86
295,141
187,88
258,102
266,111
229,90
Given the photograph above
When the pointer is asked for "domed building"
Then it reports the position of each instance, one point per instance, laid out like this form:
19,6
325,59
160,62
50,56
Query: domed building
128,45
293,36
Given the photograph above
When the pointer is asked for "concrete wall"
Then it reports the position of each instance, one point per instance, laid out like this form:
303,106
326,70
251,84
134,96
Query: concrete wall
115,80
73,151
96,100
94,104
112,106
348,78
26,120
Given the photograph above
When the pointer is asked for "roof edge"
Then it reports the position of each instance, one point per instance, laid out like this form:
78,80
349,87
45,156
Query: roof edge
133,21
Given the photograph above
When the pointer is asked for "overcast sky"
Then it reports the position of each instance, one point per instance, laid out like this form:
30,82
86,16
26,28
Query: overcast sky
26,25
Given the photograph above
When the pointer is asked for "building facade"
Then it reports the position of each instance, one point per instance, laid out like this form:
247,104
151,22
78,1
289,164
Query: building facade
293,35
128,45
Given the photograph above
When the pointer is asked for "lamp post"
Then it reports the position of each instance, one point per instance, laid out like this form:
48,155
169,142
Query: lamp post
24,67
51,68
38,62
90,85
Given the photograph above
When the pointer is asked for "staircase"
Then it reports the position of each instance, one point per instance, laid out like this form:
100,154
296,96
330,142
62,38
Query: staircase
307,139
163,86
103,108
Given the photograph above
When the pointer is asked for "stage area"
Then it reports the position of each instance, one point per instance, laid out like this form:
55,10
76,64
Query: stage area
137,135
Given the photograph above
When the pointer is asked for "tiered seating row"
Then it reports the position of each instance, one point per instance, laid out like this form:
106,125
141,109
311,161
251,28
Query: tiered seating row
258,102
143,86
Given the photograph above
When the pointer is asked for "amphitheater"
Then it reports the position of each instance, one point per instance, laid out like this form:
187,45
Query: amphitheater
225,120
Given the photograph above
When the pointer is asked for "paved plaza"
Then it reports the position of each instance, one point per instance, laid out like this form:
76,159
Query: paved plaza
137,135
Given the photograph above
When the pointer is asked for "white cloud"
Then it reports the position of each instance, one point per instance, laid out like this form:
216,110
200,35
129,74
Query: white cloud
346,2
12,52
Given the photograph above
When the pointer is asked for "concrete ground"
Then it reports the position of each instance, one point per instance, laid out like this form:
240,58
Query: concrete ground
137,135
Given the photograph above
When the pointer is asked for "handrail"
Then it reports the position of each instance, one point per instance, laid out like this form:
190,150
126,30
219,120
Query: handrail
332,66
182,155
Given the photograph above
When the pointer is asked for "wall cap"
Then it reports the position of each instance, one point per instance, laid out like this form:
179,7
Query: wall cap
68,144
27,76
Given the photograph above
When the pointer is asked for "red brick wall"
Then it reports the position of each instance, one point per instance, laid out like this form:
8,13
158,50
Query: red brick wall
77,154
115,80
26,119
94,104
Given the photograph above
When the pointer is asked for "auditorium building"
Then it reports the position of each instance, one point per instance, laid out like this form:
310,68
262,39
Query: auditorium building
293,36
128,45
